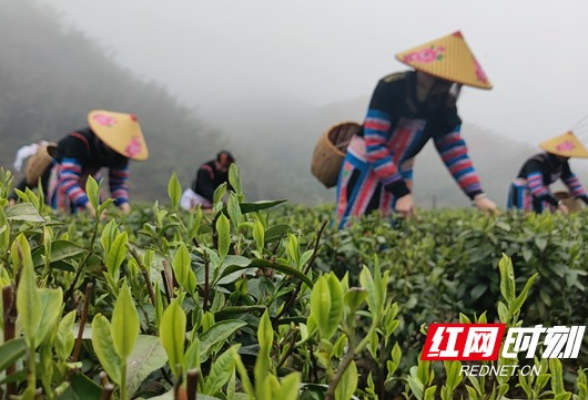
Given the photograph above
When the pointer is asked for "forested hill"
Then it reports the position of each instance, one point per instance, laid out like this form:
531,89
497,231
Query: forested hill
52,75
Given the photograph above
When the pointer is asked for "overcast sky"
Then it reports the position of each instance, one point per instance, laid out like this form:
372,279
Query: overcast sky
213,52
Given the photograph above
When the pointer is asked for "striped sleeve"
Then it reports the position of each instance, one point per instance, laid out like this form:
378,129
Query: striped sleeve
573,184
118,179
536,182
538,189
377,134
69,181
454,153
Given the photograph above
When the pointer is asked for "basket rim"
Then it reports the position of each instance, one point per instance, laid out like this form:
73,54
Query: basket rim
327,131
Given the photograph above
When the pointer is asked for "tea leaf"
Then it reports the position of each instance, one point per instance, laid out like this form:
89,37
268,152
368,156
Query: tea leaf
181,265
507,280
221,371
93,193
116,254
223,229
247,208
11,351
290,387
219,193
147,356
104,348
326,304
51,301
234,211
28,300
24,212
235,180
171,333
65,340
125,323
258,236
109,233
174,191
61,250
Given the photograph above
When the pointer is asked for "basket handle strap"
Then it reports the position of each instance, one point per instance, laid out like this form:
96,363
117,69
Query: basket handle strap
83,139
343,145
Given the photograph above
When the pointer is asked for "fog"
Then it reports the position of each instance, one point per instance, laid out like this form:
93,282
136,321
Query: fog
218,54
266,78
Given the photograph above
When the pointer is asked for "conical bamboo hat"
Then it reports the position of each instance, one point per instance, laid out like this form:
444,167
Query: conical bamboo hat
448,58
121,132
567,145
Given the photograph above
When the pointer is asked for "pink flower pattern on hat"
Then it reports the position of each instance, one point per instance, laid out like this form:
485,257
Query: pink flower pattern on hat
426,55
104,120
480,74
565,146
134,147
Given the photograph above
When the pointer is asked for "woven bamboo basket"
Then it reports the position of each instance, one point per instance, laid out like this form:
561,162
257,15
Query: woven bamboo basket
38,163
571,203
330,150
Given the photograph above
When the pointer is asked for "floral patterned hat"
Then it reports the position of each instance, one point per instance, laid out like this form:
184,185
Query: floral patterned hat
448,58
121,132
567,145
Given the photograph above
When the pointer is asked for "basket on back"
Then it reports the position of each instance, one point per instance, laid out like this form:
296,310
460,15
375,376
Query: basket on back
38,162
330,150
570,202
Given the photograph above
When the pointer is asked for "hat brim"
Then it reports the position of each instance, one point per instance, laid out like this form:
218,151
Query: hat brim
448,58
447,77
570,154
565,145
121,132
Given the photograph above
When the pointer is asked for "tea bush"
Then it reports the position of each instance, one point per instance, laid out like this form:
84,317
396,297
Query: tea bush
267,300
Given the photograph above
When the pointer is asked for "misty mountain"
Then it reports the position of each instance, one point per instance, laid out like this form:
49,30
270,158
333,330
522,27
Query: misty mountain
51,75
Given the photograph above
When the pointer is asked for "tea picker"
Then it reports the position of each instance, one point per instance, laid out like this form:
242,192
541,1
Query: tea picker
39,157
109,141
406,110
209,177
530,190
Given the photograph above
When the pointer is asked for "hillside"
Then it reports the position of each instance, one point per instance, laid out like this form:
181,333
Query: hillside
51,74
